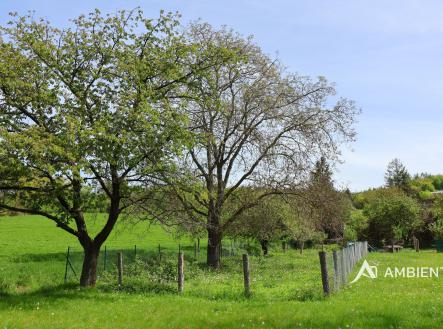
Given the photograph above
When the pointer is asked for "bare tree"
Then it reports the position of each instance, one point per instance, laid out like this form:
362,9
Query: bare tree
256,126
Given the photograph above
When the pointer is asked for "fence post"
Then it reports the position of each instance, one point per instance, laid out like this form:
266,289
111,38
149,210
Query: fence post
246,275
355,255
336,271
195,251
159,253
181,274
135,252
105,259
342,268
120,268
324,272
416,244
66,267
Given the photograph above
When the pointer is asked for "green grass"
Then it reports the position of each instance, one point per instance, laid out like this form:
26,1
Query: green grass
286,288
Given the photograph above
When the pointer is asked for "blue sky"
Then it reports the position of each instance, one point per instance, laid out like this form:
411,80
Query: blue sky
386,55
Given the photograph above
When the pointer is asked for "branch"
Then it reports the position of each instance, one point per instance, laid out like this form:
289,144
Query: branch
60,223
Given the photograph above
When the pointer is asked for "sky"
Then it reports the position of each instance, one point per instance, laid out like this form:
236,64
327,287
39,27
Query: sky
385,55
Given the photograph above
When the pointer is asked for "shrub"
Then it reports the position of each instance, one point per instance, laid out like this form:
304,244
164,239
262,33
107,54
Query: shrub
438,182
391,215
436,229
425,195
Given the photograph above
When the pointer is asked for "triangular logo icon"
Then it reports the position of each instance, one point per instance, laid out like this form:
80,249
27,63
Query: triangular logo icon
367,271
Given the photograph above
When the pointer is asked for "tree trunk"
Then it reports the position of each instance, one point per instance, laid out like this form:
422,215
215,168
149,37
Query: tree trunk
264,246
88,277
214,245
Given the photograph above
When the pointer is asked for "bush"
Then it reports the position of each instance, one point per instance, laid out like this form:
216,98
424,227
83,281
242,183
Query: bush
438,182
391,215
436,229
425,195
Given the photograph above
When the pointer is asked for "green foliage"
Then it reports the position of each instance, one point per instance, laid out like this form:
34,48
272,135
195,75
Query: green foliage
425,195
90,109
356,225
323,204
269,220
437,181
436,229
391,214
423,186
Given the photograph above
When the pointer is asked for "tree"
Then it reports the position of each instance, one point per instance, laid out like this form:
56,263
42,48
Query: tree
256,126
269,221
88,107
397,176
329,208
392,215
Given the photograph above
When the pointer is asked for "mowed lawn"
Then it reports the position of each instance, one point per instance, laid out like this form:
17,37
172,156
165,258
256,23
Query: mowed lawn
286,288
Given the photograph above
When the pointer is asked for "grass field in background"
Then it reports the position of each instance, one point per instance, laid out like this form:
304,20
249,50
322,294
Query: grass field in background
286,288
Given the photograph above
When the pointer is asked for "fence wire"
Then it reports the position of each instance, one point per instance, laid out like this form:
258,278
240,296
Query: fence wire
344,260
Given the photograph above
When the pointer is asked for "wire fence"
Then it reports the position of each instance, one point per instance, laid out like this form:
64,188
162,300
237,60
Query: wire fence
335,270
157,253
336,266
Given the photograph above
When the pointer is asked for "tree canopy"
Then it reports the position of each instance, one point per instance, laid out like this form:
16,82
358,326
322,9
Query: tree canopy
256,125
88,107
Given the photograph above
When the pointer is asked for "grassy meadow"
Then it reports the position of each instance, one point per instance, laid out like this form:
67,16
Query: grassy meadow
286,286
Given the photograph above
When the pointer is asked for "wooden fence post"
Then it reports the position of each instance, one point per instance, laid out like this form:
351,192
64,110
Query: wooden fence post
342,265
105,259
324,272
416,244
195,251
246,275
120,268
336,271
181,274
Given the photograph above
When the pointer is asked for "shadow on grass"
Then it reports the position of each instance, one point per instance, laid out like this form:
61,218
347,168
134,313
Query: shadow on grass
52,295
48,257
